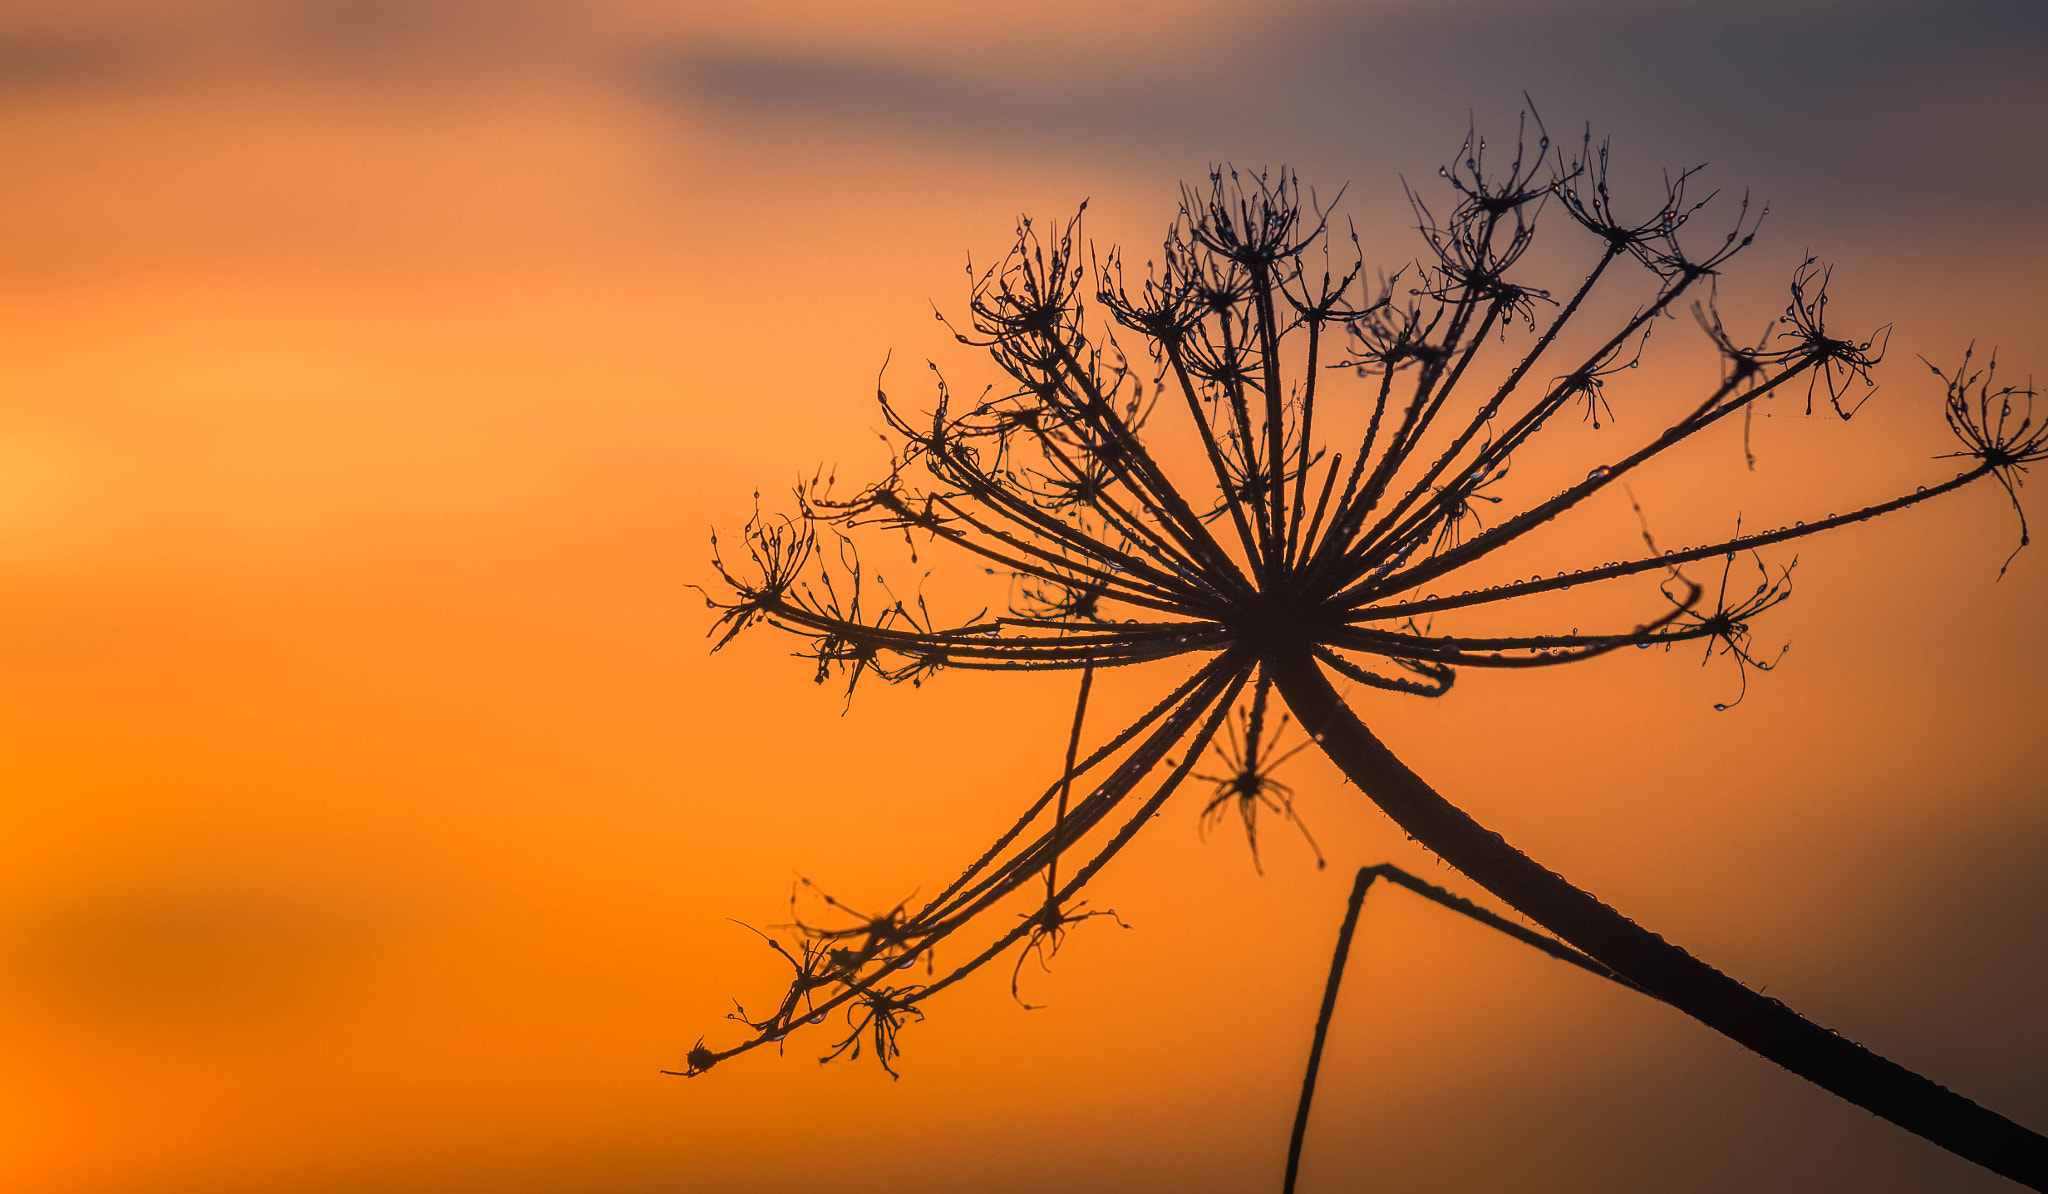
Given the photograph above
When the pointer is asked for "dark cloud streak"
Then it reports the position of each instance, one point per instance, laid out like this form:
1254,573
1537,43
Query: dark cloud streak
829,90
1868,109
32,63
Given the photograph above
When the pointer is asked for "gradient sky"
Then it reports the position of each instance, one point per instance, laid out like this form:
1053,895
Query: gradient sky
371,374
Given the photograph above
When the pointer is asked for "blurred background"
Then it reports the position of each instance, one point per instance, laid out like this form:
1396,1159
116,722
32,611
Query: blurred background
372,374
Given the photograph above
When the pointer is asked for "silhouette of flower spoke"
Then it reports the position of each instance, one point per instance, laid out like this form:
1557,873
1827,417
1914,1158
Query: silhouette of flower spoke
1312,469
1435,679
1045,933
877,1015
1588,383
1997,429
1034,541
1248,784
1523,651
1726,630
998,879
840,967
1837,363
1584,194
1075,768
1722,403
1222,681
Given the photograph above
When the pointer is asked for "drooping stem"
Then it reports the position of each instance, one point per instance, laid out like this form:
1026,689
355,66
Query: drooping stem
1329,1008
1661,969
1436,895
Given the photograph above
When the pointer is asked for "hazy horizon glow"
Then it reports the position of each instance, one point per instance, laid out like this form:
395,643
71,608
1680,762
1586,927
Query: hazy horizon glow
371,376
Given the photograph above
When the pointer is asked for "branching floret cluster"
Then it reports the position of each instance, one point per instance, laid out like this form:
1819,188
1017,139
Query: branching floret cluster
1253,455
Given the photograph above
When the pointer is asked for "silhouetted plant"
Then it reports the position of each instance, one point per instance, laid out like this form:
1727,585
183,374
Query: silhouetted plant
1299,535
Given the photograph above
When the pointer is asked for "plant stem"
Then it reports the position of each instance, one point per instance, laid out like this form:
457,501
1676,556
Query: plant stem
1661,969
1315,1050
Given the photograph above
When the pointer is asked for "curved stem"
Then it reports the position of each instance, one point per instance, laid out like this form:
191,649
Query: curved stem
1661,969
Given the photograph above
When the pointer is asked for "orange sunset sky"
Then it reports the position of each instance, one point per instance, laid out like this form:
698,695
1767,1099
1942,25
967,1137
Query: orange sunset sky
373,372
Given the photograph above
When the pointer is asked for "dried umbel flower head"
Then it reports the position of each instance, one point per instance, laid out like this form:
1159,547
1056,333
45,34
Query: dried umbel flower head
1333,508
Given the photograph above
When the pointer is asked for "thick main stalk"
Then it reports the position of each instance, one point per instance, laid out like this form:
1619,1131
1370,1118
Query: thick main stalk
1661,969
